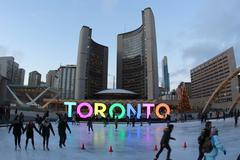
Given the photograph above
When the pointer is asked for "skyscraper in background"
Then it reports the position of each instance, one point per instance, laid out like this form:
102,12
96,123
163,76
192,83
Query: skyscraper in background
50,77
34,78
165,75
64,81
137,66
92,63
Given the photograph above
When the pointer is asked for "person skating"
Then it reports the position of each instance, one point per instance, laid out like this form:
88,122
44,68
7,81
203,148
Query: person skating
149,120
203,136
62,126
141,121
116,123
38,120
133,120
128,121
165,141
236,119
45,128
17,131
216,146
30,133
90,124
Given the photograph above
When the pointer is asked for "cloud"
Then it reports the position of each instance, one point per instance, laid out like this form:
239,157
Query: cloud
182,71
216,30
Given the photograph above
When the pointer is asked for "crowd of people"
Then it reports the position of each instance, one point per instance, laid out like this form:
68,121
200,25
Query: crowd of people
209,143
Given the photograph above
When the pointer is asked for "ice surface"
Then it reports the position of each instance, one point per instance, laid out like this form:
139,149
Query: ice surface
128,143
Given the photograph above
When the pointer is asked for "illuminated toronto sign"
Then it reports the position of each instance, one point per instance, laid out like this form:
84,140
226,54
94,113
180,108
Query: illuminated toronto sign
101,109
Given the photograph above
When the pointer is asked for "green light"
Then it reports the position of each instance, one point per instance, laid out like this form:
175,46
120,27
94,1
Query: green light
114,105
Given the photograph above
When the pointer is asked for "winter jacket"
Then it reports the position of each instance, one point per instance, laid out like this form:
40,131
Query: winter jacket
217,146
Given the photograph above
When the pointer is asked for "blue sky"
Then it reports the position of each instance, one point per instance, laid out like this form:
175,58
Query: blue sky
42,35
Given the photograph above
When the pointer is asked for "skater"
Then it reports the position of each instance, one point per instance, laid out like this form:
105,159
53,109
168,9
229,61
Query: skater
216,146
30,134
45,128
21,117
38,120
133,120
165,141
46,115
205,134
116,123
224,115
62,126
149,120
74,119
17,131
90,124
128,120
141,121
236,119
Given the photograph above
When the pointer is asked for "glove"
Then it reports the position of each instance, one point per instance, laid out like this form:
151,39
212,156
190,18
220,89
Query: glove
224,152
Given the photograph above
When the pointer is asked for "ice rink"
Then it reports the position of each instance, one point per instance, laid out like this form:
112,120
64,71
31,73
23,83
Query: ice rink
128,143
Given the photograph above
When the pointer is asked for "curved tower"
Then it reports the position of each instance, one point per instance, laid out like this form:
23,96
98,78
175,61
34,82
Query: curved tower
92,62
137,67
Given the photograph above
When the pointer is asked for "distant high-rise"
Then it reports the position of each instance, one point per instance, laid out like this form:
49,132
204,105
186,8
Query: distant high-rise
34,78
92,63
50,77
137,66
165,74
21,76
11,71
64,81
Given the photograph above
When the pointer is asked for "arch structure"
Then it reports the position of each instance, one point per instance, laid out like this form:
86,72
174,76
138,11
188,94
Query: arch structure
219,88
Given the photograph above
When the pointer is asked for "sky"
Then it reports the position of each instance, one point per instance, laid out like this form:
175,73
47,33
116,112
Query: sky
42,35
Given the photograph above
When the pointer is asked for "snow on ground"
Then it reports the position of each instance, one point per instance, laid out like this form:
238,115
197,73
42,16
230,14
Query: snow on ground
128,143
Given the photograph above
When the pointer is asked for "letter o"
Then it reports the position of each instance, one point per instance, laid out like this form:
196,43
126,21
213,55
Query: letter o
162,105
89,108
114,106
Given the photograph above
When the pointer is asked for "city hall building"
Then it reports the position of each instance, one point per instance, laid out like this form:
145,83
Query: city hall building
137,66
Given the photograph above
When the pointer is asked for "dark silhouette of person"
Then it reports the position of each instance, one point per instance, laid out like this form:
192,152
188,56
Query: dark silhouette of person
90,124
45,128
133,120
30,133
128,120
38,120
17,131
116,123
165,141
62,126
204,134
149,120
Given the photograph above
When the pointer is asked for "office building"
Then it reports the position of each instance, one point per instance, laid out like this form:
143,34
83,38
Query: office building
11,71
165,74
137,66
50,77
92,63
206,77
64,81
34,78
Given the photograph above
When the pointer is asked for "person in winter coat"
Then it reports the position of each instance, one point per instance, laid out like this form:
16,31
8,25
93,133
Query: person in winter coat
62,126
90,124
217,146
17,131
204,134
30,133
45,128
165,141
